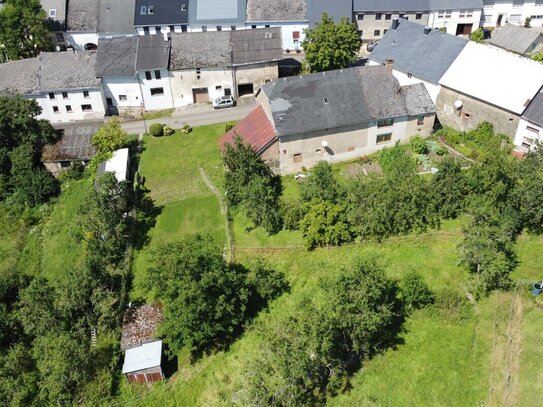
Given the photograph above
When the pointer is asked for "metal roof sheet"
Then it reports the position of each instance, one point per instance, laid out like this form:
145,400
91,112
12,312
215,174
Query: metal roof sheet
495,76
142,357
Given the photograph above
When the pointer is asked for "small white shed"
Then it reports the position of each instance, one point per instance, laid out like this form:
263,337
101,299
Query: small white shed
142,364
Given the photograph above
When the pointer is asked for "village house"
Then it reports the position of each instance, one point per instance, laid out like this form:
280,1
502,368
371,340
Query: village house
160,16
419,54
333,116
207,65
487,84
75,145
500,12
56,13
63,84
530,129
520,40
143,352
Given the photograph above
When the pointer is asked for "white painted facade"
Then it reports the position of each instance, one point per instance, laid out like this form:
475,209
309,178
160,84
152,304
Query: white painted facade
404,79
501,12
163,29
198,28
73,105
289,31
528,134
451,19
78,39
124,93
156,93
215,80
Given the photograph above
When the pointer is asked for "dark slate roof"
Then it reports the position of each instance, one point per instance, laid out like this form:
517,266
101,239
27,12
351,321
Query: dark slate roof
455,4
256,129
276,10
225,48
417,100
335,9
116,56
75,143
393,5
82,15
426,56
19,77
353,96
48,72
67,70
167,12
216,12
534,112
249,46
152,53
116,16
514,38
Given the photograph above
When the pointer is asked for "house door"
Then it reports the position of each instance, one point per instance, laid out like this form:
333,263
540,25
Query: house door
200,95
464,29
500,18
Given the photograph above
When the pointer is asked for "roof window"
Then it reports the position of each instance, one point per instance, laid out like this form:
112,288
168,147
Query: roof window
151,9
325,100
183,7
143,10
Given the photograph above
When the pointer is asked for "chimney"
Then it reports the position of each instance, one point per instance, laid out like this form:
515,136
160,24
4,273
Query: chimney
395,24
427,30
389,64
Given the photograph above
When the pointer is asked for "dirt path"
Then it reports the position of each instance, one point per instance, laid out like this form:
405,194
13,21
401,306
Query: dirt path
224,211
507,347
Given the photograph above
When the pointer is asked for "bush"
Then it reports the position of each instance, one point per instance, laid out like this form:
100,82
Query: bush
186,129
167,130
477,35
325,224
419,145
415,292
292,212
156,130
229,126
396,161
442,151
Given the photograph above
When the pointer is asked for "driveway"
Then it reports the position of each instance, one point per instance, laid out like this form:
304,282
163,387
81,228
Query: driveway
195,115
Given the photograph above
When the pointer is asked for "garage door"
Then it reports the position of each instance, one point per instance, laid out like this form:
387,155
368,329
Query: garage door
200,95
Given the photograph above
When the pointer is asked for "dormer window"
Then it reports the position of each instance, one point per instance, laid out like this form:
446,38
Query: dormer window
143,10
151,10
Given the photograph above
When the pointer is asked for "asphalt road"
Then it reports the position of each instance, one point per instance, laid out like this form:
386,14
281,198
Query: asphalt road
195,115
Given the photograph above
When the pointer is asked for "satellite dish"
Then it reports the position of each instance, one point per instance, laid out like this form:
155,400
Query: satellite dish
458,104
57,48
324,143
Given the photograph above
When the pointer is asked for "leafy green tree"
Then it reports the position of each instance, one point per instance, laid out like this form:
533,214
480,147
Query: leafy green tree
265,283
36,308
250,183
415,292
205,301
321,185
529,191
325,224
419,145
449,187
292,212
25,30
110,136
18,376
396,161
477,35
331,45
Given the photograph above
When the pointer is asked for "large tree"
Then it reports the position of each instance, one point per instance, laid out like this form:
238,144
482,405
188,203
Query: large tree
331,45
321,185
25,29
22,137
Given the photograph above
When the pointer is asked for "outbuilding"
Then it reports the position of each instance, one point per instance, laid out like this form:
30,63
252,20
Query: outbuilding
142,364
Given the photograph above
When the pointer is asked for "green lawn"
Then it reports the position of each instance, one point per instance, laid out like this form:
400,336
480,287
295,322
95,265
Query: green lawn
171,167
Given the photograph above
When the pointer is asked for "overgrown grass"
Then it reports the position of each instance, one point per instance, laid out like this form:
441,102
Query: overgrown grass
157,114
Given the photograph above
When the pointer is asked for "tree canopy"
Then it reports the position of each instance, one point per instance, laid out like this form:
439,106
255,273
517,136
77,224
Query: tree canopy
331,45
25,29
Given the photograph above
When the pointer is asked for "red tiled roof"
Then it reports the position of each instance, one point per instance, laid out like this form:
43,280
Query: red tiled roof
255,129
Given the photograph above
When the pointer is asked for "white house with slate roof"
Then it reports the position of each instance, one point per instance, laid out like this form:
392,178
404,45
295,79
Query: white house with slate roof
497,13
530,128
417,54
63,84
333,116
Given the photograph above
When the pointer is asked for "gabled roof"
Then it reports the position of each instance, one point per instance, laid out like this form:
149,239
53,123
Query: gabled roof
255,129
153,52
67,70
142,357
116,56
217,12
495,76
19,77
276,10
455,4
341,98
225,48
82,15
534,112
75,144
391,5
335,9
514,38
116,17
165,12
426,56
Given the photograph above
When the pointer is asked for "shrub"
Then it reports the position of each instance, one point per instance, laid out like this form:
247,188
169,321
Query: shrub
167,130
229,126
186,129
156,130
292,212
477,35
325,224
415,291
419,145
441,151
396,161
